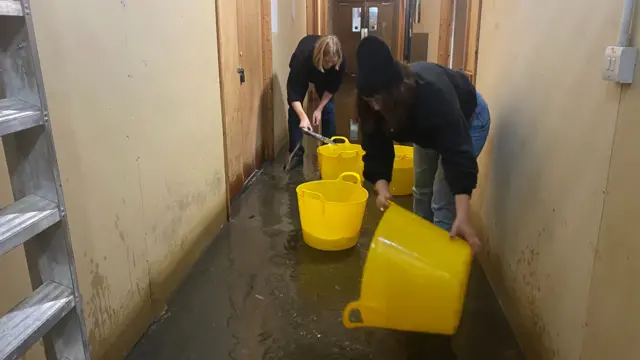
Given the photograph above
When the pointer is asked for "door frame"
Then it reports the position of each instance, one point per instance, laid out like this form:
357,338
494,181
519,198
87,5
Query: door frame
477,41
317,17
445,52
267,153
268,134
445,32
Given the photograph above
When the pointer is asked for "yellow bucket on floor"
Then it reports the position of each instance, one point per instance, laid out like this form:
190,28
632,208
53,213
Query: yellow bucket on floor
402,178
340,158
415,277
331,211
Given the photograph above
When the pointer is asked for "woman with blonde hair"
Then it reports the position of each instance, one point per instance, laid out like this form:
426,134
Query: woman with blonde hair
317,60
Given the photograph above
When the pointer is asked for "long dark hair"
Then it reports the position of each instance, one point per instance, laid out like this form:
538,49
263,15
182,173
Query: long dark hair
395,104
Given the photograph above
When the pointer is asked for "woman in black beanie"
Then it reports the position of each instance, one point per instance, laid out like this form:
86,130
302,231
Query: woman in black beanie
440,112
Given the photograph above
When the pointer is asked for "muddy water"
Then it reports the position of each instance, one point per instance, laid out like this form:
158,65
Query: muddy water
259,292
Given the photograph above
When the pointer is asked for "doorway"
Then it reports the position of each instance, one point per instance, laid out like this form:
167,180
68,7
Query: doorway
244,47
350,21
460,35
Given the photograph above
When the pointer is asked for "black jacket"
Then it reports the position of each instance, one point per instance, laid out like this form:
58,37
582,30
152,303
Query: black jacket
302,72
439,119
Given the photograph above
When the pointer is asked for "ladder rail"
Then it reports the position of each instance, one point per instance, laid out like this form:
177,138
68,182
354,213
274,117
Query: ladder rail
32,163
35,57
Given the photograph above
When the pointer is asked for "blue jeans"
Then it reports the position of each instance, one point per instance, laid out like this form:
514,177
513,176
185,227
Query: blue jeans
432,199
328,126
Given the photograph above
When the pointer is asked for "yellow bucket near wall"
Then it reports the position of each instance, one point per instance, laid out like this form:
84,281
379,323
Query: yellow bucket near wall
331,211
402,178
415,277
335,160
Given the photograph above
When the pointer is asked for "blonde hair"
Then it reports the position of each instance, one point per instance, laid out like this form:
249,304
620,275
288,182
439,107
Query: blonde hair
327,45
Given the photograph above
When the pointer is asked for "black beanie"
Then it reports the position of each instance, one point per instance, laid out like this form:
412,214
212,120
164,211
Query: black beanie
378,71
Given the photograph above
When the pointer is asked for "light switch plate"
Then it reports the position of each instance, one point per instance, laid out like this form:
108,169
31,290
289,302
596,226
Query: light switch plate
619,64
353,130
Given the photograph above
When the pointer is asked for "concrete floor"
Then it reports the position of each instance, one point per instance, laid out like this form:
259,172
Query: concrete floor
259,292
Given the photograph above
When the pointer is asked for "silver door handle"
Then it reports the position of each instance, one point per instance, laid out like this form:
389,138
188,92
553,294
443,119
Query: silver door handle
364,32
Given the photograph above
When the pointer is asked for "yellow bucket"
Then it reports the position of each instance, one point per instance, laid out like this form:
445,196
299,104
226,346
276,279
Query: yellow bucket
331,211
402,179
415,277
340,158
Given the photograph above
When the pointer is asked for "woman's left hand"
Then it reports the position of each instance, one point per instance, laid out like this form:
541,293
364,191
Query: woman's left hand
462,228
317,116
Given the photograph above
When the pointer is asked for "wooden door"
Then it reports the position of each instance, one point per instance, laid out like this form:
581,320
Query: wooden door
350,33
382,19
472,35
250,46
240,42
459,35
379,18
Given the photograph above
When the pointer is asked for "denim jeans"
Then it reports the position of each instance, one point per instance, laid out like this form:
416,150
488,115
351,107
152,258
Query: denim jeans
328,126
432,199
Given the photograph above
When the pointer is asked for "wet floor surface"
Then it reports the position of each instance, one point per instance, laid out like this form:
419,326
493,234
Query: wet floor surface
259,292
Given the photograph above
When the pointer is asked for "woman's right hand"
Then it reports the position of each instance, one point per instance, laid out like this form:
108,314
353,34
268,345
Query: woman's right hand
305,124
384,195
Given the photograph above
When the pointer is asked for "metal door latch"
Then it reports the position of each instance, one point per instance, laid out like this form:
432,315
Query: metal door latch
242,76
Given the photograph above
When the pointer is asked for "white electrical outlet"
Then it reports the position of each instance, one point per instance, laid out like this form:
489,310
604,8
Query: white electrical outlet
619,64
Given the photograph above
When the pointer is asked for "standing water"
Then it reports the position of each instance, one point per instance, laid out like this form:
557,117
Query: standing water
259,292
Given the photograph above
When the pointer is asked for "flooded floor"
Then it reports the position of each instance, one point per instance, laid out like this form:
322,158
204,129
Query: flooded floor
259,292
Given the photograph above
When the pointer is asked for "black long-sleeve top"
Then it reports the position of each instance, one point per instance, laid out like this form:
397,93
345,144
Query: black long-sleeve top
439,119
302,72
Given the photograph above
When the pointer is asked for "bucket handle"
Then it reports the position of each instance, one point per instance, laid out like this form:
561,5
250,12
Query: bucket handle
346,316
349,153
315,195
334,138
344,177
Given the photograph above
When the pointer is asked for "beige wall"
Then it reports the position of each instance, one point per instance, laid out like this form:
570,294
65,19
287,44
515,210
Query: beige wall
430,23
544,177
614,318
135,106
291,28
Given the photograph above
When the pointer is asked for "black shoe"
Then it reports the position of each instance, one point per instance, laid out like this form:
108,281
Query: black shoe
294,161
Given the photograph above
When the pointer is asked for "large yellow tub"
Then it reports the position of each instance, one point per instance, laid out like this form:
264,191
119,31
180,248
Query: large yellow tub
335,160
415,277
331,211
402,179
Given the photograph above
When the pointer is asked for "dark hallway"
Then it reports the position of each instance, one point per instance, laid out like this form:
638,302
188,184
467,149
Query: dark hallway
259,292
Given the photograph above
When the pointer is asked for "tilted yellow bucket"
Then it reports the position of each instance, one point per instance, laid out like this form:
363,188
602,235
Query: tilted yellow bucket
415,277
402,179
340,158
331,211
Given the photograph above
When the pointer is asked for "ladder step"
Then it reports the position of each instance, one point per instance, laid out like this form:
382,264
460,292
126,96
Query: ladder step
24,219
16,115
30,320
10,8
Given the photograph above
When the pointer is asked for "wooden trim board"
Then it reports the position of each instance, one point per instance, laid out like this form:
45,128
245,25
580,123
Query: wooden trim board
223,107
402,6
268,136
444,33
